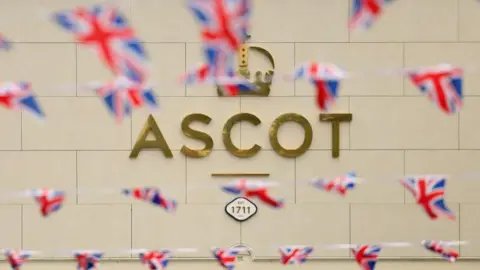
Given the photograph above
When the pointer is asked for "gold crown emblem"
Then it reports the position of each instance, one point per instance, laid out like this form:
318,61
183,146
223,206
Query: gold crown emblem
263,84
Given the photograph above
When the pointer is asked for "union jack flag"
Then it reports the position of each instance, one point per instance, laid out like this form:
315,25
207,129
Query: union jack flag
442,84
294,255
87,260
226,257
49,200
16,95
107,30
439,248
366,256
16,258
325,78
156,259
224,25
429,192
366,12
340,184
253,189
152,195
123,94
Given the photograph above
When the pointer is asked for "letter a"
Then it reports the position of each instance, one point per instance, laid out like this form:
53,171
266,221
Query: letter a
158,143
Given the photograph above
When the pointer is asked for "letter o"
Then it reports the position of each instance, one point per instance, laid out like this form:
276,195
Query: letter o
273,135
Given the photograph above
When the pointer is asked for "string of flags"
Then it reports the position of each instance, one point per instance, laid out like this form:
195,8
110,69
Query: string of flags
365,255
223,27
428,191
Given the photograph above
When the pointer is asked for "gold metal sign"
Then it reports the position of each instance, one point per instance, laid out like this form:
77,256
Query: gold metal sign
159,143
263,84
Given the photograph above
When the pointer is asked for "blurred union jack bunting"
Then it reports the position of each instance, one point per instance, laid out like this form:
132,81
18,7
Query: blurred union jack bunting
292,254
429,193
19,95
340,184
325,78
254,189
441,248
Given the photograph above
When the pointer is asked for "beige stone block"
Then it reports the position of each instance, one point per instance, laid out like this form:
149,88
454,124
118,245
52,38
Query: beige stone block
113,170
12,129
380,223
298,224
463,55
98,227
376,169
291,135
48,67
300,21
282,53
405,21
469,129
11,233
202,187
469,218
462,186
167,62
164,21
468,16
199,226
402,123
363,61
44,169
75,124
175,109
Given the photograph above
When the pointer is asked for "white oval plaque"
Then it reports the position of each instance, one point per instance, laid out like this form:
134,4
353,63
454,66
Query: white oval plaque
241,209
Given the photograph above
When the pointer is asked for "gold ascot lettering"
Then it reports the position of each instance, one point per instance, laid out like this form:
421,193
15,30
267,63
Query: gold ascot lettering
307,129
198,135
159,142
336,119
227,136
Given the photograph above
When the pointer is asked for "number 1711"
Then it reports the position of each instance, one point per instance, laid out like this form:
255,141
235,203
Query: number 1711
241,209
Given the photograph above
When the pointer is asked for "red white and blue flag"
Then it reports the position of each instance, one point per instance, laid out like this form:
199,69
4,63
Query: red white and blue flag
253,189
49,200
230,84
153,196
16,258
122,95
441,84
226,257
294,254
19,95
440,248
366,12
340,184
326,80
366,256
223,28
156,259
87,260
429,193
107,30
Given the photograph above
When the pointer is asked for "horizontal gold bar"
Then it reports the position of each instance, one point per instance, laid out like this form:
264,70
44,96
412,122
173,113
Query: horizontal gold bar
240,174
